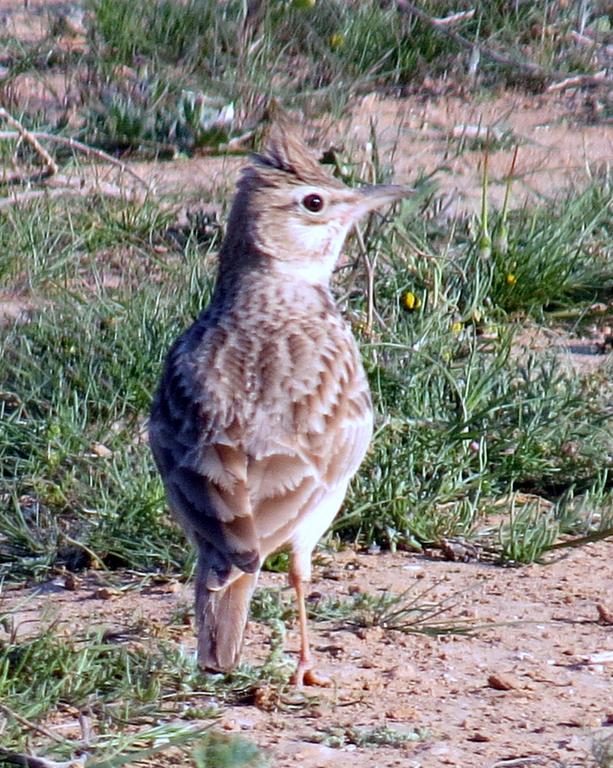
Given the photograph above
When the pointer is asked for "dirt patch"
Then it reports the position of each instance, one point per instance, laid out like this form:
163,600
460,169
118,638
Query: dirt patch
533,683
557,153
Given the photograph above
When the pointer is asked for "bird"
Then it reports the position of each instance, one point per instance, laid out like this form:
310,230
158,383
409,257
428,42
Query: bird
263,412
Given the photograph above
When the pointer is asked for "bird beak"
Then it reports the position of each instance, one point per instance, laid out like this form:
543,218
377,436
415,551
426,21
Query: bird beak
372,197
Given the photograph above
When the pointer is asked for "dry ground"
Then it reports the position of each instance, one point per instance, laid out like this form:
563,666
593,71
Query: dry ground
543,632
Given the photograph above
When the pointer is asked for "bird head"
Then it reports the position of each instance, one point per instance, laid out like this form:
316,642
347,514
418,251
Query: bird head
294,213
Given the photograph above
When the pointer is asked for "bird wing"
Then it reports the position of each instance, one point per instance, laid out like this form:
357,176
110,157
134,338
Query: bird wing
198,449
290,480
242,466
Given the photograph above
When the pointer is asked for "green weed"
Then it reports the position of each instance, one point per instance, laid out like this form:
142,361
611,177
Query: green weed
557,255
121,682
408,612
381,735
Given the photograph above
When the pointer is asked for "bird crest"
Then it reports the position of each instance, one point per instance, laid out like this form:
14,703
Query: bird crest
286,157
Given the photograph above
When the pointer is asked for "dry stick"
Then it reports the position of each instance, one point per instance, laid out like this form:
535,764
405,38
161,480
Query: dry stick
605,533
533,70
578,81
87,150
31,139
110,190
370,277
30,761
94,557
30,725
78,145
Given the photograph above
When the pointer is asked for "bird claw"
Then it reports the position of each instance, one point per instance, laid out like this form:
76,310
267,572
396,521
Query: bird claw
306,675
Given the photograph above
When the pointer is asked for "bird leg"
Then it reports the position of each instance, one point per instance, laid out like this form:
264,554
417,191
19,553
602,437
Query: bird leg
305,673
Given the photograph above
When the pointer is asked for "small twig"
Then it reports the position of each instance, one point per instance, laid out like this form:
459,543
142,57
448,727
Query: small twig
579,81
454,18
579,541
30,725
527,67
31,139
370,280
22,198
30,761
33,194
93,152
94,557
516,762
84,148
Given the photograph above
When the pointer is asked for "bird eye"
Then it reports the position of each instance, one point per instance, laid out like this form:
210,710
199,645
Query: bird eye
313,203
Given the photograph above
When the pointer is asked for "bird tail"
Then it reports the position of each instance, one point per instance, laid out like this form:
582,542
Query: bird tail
222,617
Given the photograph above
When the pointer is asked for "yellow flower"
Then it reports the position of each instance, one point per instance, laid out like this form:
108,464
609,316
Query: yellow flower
336,41
511,279
410,301
457,326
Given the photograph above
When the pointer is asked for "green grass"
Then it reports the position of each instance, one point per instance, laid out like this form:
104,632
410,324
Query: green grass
556,256
462,419
125,681
382,735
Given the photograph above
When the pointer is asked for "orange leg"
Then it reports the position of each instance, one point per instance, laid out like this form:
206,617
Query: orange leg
305,673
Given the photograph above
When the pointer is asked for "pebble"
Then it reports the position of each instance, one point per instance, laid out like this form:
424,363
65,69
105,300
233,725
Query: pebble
503,681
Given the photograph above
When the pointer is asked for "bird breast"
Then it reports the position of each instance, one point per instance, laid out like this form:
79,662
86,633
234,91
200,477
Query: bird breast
280,365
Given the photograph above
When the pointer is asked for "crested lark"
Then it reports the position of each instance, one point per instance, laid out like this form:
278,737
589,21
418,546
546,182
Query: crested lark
263,413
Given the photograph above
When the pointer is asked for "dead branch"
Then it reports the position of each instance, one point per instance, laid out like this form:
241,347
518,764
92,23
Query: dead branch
579,81
454,18
51,167
30,761
30,725
93,152
79,146
527,67
70,188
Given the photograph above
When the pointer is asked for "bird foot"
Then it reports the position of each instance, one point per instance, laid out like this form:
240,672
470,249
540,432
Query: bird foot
306,675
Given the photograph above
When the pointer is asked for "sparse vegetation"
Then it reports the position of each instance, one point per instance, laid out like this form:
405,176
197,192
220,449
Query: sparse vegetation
125,681
367,737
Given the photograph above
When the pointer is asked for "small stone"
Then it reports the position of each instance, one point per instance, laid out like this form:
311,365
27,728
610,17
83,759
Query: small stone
106,593
71,582
502,681
100,450
605,614
332,574
478,737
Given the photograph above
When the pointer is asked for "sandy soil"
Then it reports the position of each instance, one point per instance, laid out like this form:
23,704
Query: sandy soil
445,136
533,684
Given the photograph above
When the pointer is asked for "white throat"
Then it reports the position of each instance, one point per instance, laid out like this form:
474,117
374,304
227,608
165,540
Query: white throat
315,253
